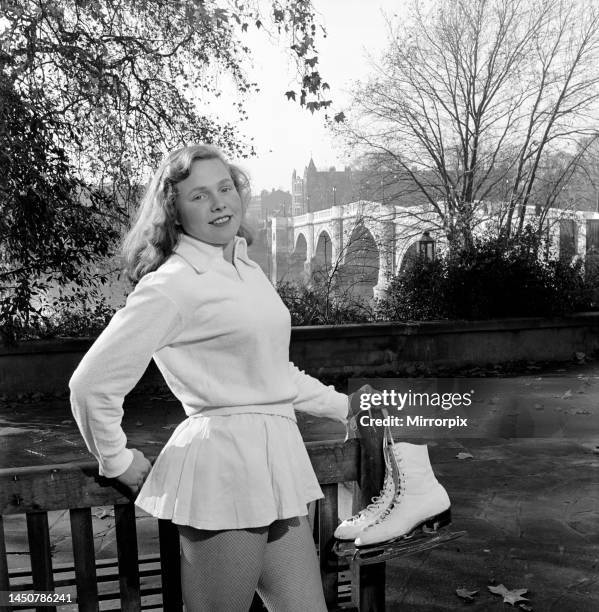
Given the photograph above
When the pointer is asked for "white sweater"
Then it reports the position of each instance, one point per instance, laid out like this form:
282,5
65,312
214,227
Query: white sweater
218,332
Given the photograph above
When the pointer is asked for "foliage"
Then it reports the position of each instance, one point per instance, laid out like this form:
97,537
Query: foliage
488,281
479,101
318,303
126,80
415,294
51,223
73,315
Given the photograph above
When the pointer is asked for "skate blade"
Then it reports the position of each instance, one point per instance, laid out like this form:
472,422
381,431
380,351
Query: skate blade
414,542
343,548
435,523
403,548
428,526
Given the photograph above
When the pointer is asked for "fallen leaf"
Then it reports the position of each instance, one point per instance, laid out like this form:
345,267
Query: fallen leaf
512,597
103,514
465,594
464,456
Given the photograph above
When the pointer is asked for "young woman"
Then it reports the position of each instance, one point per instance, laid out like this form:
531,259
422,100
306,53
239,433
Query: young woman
235,475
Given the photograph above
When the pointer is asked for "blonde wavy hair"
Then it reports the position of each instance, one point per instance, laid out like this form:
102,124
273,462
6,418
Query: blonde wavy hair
155,231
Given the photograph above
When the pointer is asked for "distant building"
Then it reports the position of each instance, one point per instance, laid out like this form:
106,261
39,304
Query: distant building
276,203
319,189
254,214
261,210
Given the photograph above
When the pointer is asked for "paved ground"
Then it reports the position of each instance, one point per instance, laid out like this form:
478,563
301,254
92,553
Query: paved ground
531,509
530,504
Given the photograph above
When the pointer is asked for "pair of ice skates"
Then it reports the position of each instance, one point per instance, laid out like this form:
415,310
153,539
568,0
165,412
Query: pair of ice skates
411,499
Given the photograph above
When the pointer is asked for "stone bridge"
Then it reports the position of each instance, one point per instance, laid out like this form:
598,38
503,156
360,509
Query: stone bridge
373,241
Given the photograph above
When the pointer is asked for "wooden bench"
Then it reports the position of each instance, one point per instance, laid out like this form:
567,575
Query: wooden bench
34,491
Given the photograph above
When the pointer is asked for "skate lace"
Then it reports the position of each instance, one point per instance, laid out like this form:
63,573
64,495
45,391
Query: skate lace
376,502
396,499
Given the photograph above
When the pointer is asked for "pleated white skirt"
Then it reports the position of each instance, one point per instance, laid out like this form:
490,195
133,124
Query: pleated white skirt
231,472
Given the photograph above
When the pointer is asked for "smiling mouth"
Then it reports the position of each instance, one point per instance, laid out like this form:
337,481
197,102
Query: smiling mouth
221,220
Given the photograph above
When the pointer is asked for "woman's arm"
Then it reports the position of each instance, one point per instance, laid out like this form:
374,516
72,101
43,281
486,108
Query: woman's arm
112,367
316,398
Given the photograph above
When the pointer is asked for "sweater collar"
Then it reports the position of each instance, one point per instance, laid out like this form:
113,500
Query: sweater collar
201,255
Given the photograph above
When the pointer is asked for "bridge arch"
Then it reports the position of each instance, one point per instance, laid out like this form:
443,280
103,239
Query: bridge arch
361,262
298,257
323,253
408,253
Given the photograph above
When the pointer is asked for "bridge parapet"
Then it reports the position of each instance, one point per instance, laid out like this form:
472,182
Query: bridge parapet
299,220
323,215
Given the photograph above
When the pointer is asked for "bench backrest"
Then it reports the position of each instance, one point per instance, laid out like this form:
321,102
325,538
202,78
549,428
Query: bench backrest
34,491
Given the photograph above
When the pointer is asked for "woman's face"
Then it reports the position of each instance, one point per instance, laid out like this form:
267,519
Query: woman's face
208,205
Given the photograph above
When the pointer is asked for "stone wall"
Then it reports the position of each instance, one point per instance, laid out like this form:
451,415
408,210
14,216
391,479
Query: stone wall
350,350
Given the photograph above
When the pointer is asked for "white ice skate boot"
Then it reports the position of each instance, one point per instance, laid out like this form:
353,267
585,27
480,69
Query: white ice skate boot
351,527
420,499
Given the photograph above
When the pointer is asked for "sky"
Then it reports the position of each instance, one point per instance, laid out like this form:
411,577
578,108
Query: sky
286,135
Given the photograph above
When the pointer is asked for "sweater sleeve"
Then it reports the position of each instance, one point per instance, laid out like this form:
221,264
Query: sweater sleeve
112,367
316,398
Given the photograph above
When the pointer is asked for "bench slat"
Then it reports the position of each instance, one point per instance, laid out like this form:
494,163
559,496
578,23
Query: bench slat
38,534
126,539
334,461
78,485
328,513
172,598
85,559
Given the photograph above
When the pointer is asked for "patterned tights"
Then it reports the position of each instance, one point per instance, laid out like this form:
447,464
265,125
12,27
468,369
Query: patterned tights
221,570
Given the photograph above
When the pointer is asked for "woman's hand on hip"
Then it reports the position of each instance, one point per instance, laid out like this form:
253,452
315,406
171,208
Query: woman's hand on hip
137,472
